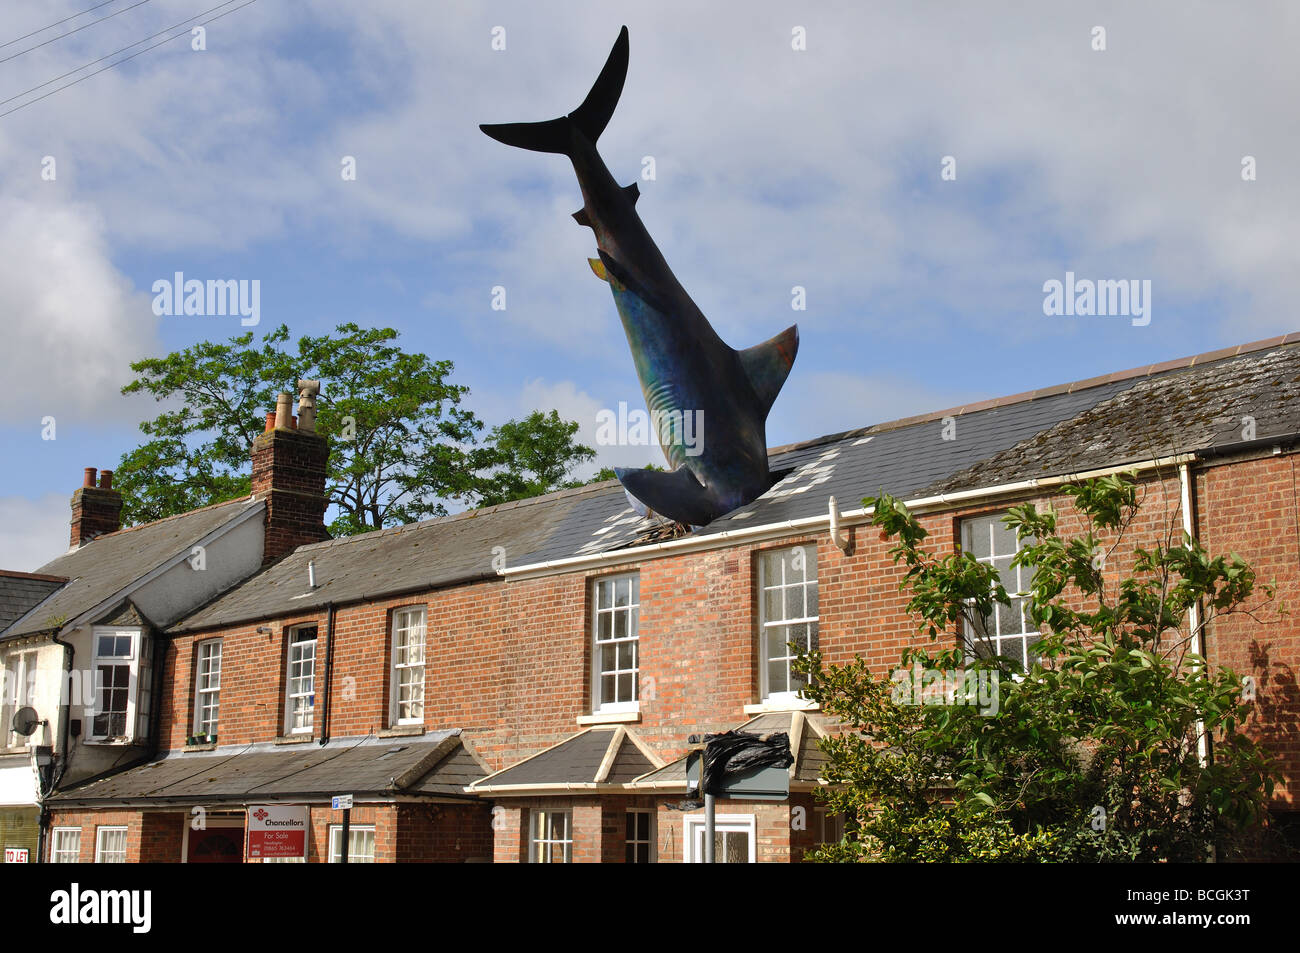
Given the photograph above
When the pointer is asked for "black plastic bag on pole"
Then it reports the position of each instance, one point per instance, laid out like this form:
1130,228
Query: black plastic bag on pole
736,752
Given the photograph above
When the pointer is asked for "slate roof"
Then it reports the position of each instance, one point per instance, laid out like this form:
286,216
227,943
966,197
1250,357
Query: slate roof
804,729
109,564
1199,409
20,591
601,756
434,764
1054,430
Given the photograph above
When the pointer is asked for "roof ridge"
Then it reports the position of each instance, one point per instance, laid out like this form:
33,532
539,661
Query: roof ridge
571,491
1144,370
174,516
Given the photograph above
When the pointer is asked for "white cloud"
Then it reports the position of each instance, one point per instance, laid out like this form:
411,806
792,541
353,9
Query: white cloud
73,322
31,531
575,404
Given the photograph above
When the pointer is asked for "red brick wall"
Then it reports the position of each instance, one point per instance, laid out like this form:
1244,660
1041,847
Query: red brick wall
444,833
161,837
1251,508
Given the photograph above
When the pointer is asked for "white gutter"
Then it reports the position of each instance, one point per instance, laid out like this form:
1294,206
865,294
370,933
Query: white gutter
813,524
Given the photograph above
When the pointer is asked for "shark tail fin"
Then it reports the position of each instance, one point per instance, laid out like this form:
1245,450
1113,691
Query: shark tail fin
768,365
590,119
675,494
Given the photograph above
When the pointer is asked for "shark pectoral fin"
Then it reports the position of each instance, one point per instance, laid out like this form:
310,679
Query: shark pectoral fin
768,365
675,494
624,284
598,269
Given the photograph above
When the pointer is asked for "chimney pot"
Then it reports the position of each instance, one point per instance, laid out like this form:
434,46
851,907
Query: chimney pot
307,393
106,479
282,411
89,478
270,421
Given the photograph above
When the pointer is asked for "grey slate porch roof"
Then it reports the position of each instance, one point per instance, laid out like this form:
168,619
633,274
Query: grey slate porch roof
599,758
109,564
20,591
432,765
1053,431
805,730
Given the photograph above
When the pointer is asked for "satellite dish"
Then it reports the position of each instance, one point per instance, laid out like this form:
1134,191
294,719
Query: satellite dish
25,721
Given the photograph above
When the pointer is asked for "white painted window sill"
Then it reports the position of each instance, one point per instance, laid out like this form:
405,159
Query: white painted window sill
609,718
782,705
401,731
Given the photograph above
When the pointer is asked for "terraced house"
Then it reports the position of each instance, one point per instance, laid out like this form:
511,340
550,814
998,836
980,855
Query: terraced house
518,683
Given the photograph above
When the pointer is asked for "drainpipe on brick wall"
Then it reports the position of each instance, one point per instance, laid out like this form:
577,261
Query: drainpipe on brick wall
1187,504
329,673
1194,616
65,721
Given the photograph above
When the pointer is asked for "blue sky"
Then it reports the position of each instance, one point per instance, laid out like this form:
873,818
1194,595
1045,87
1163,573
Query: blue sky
775,167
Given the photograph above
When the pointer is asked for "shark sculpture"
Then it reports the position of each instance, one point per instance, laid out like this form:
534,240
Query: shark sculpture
688,374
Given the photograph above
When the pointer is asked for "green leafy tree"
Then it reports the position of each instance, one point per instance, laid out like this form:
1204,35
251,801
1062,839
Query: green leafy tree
1097,752
607,473
401,444
528,457
197,451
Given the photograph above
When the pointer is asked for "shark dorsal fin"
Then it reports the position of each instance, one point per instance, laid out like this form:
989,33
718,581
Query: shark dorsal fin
632,191
768,364
582,218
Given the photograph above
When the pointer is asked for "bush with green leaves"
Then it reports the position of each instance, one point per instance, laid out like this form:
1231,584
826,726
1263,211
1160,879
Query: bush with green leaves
1117,743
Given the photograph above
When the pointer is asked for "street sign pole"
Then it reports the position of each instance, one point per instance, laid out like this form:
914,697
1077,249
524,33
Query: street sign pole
347,829
343,802
708,827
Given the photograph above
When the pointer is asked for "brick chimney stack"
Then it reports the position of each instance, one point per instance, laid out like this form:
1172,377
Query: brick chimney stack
96,508
289,474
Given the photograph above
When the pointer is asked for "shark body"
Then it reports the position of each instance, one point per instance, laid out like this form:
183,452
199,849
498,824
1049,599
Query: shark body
684,367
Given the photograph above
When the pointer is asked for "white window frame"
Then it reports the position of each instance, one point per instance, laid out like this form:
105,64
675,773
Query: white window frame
18,685
830,827
693,834
132,663
632,636
335,855
767,628
1017,591
291,726
539,844
65,845
401,622
201,693
101,850
648,841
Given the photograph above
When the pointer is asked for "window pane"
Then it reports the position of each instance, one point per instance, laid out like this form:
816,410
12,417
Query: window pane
776,681
977,538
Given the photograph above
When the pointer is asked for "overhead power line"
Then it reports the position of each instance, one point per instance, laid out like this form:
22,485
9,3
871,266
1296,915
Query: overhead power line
109,66
56,23
54,39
